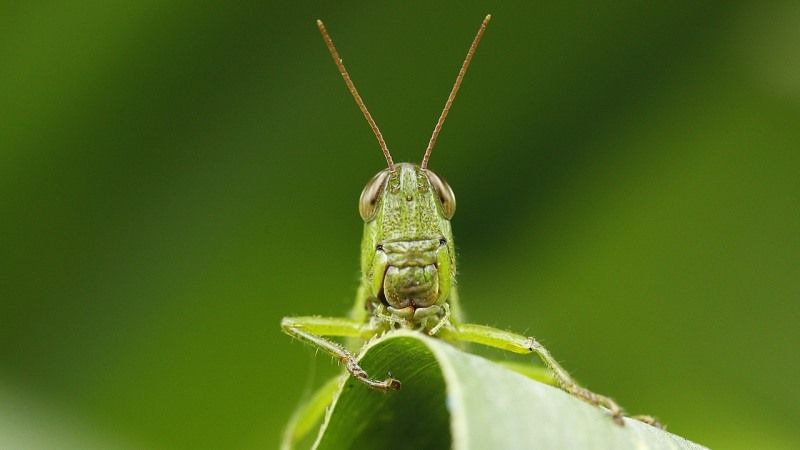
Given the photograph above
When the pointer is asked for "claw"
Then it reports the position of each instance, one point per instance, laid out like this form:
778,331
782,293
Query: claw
393,384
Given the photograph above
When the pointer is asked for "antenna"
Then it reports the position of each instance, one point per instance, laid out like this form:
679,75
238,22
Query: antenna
352,87
453,92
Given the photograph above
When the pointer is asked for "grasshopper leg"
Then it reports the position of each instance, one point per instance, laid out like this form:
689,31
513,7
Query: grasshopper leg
650,420
312,329
444,321
517,343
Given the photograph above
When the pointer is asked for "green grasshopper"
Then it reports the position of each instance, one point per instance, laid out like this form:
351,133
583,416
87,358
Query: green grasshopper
408,271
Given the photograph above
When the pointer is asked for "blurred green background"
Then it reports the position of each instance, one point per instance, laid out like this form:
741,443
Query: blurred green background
176,177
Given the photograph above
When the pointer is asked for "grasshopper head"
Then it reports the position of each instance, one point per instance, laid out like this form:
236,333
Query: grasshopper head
408,256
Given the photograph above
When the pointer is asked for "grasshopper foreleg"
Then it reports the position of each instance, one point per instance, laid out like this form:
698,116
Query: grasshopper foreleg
517,343
444,321
312,329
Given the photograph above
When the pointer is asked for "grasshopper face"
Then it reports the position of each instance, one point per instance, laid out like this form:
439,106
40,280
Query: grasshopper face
408,257
407,253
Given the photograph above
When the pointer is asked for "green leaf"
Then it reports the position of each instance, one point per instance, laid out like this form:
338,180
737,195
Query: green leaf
453,399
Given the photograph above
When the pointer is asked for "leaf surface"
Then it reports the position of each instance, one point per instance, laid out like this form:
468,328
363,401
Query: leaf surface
453,399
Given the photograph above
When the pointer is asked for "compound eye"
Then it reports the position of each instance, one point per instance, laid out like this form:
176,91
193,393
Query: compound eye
445,193
368,203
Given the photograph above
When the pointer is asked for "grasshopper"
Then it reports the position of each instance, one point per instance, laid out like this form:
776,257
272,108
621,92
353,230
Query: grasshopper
408,272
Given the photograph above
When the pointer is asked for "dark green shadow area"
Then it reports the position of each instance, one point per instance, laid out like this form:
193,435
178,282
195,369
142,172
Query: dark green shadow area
414,417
